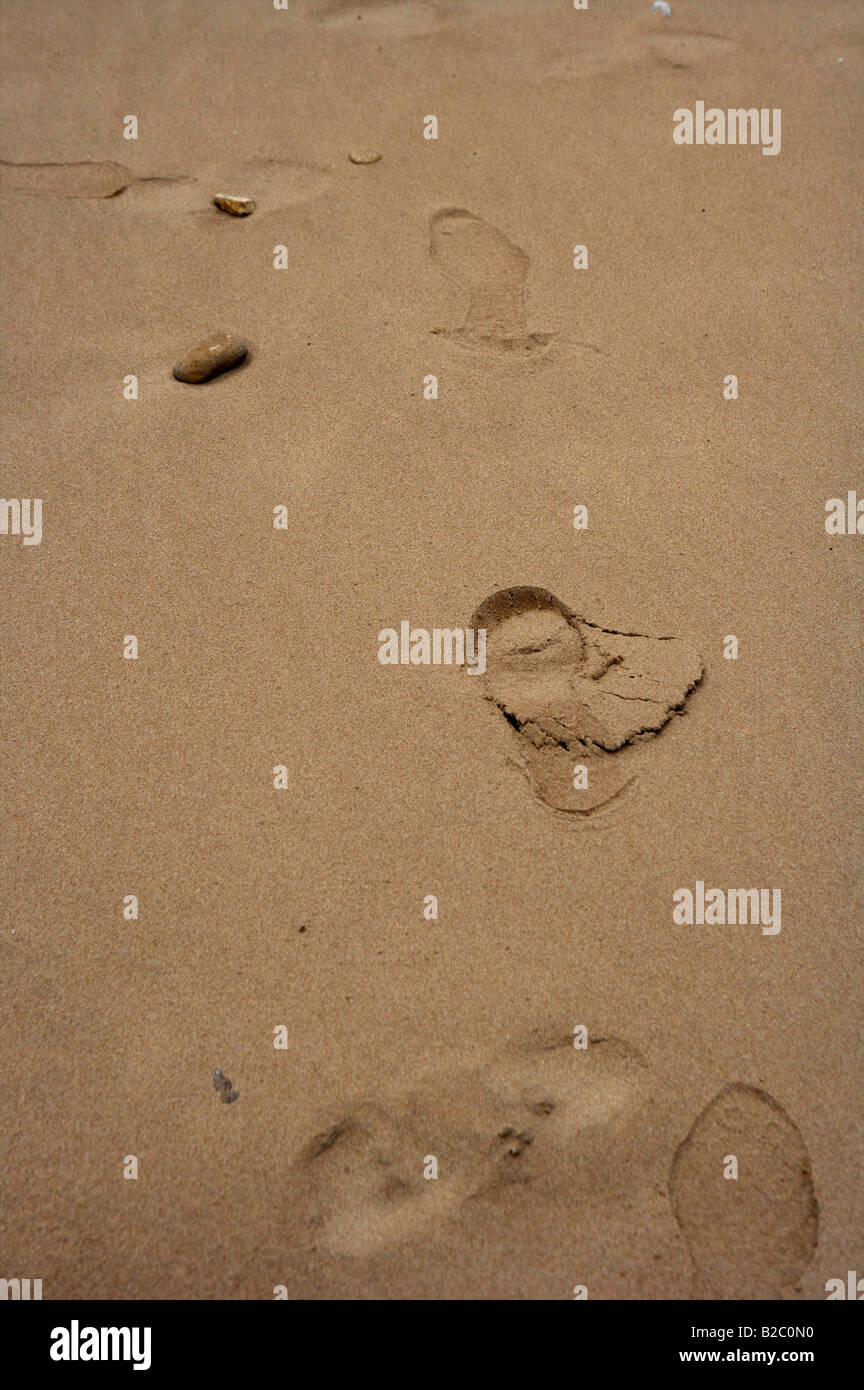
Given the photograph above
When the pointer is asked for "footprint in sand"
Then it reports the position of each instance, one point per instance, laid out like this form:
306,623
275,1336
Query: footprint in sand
360,1184
84,178
750,1237
402,16
648,48
492,273
277,183
690,50
578,695
412,17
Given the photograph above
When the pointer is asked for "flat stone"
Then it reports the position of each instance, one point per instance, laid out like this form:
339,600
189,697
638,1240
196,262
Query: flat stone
364,156
238,207
218,353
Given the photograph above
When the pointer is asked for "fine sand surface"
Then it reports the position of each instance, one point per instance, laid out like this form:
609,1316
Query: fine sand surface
406,1037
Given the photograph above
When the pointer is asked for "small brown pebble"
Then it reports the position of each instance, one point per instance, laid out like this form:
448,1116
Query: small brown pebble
238,207
364,156
218,353
222,1086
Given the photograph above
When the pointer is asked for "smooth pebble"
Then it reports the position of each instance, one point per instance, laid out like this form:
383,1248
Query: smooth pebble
238,207
218,353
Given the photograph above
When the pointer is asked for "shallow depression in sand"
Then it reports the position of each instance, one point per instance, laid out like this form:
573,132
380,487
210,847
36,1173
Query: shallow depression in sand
545,1112
491,271
750,1236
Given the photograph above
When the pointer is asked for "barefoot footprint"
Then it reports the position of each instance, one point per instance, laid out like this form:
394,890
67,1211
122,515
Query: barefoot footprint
750,1236
361,1183
578,694
492,272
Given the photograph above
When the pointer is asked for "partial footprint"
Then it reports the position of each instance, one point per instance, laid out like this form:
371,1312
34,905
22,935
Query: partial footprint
399,17
577,693
275,183
690,50
566,1104
547,1113
624,50
84,179
359,1184
750,1236
492,272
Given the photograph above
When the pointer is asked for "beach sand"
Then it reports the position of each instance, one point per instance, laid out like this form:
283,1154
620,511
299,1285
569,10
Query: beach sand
409,1037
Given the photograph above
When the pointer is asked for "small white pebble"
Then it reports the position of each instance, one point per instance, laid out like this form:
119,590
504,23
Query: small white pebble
662,7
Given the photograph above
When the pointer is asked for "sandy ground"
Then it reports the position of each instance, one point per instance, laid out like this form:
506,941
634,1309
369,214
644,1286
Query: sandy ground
303,908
